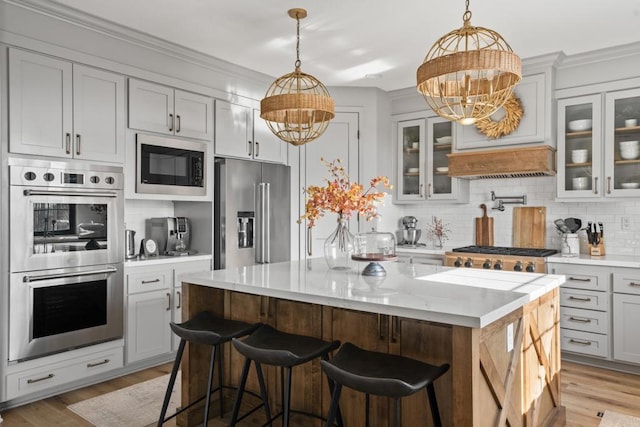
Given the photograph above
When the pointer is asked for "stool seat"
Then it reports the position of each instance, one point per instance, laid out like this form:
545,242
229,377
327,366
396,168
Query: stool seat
273,347
205,328
380,373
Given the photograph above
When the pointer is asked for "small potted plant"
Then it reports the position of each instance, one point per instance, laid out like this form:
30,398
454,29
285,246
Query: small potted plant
438,231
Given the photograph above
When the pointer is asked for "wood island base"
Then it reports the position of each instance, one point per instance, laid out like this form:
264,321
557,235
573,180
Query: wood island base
488,383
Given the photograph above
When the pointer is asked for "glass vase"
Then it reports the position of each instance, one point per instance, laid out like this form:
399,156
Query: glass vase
339,246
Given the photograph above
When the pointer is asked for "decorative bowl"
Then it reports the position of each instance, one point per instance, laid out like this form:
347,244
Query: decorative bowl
579,156
413,170
444,140
442,169
580,183
630,185
579,125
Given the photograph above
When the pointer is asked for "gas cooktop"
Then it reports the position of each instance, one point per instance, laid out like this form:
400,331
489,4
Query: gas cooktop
501,250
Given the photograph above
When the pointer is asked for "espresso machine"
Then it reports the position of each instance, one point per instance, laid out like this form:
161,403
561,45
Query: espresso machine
410,232
171,233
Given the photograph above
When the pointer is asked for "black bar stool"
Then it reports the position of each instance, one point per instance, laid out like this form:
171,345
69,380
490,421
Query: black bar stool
272,347
381,374
204,328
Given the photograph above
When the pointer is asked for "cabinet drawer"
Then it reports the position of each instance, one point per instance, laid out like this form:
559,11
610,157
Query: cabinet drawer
627,283
57,374
578,298
584,343
584,320
149,281
583,277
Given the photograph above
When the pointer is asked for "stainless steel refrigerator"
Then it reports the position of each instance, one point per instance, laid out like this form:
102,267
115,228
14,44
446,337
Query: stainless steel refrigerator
252,208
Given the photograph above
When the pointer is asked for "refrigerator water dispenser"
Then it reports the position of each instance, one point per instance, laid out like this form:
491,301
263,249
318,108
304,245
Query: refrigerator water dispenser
245,229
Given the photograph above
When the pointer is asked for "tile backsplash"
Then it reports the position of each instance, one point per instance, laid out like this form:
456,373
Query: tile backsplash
137,211
539,192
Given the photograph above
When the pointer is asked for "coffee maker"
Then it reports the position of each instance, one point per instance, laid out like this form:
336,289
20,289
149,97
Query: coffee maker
173,234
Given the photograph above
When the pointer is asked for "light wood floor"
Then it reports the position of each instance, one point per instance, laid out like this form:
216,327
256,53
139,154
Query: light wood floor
586,391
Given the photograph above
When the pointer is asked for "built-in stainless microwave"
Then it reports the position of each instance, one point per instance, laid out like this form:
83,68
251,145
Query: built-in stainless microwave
170,166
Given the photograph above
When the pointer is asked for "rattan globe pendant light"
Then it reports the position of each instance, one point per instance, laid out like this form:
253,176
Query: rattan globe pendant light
297,106
468,73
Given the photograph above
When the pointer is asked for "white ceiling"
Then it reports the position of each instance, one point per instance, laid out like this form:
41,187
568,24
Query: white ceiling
344,40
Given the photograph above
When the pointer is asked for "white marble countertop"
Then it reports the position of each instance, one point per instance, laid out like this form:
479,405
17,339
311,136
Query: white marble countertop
604,261
465,297
424,250
142,261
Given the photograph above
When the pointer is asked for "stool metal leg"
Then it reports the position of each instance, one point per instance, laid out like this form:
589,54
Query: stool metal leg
287,397
396,412
331,388
219,355
263,392
212,364
366,409
243,382
433,402
334,406
172,381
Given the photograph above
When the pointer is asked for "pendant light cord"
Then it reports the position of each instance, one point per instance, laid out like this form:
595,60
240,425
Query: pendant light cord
298,63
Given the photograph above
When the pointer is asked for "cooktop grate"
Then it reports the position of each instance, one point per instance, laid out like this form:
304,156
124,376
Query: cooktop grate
502,250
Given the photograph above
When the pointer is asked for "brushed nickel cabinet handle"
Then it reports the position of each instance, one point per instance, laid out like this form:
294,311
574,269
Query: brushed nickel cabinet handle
146,282
595,185
579,319
37,380
608,185
177,123
179,299
168,301
634,284
250,146
257,149
78,144
429,193
171,122
580,299
579,279
93,365
581,342
421,188
68,143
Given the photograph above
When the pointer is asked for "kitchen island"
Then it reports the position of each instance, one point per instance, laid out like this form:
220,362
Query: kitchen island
499,331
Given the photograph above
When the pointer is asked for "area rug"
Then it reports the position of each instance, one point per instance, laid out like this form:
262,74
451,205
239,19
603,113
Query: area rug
615,419
134,406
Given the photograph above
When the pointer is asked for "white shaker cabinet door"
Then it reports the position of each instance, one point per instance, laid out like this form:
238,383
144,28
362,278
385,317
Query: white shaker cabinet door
151,107
148,331
626,318
193,115
99,115
233,130
268,147
40,104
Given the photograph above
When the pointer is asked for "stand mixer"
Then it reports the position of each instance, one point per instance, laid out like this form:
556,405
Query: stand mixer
410,232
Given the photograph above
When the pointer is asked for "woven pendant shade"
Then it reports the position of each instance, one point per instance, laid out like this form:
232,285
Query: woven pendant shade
297,106
469,73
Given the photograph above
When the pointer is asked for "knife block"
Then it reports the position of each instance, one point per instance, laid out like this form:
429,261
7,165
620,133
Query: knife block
597,250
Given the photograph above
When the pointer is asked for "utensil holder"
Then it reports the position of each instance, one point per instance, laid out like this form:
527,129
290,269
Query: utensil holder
597,250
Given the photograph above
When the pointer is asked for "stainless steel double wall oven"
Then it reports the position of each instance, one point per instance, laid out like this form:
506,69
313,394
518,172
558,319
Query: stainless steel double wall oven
66,277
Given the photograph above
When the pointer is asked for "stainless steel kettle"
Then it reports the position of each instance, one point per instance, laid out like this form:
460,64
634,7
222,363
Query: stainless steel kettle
129,244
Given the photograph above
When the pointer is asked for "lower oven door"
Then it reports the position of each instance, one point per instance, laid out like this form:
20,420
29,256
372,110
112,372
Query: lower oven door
58,228
56,310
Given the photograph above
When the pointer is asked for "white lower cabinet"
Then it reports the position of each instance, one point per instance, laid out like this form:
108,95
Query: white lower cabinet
63,368
626,315
154,299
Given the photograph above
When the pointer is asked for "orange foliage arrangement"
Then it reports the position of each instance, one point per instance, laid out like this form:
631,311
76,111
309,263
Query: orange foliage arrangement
342,196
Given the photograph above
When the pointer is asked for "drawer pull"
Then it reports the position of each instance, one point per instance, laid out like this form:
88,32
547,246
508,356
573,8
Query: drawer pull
579,319
37,380
580,299
634,284
581,342
146,282
579,279
93,365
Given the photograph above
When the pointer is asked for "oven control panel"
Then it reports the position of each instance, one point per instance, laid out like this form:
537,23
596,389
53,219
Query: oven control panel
36,176
496,262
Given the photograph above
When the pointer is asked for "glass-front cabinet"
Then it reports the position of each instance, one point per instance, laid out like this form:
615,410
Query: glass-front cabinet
598,146
423,165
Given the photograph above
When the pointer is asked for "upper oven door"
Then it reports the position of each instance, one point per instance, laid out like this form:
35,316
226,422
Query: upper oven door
56,228
170,166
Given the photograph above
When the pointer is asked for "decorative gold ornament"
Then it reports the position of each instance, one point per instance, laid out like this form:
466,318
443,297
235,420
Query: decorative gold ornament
513,112
468,73
297,106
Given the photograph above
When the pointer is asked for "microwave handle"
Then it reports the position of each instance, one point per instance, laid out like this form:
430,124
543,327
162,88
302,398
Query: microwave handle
263,255
28,279
69,193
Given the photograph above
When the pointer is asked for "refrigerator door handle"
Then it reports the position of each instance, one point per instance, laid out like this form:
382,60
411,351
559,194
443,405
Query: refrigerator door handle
263,255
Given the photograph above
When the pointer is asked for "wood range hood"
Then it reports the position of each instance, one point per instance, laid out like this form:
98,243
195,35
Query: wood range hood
504,163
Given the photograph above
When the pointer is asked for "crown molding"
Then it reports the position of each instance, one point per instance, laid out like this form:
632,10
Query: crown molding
601,55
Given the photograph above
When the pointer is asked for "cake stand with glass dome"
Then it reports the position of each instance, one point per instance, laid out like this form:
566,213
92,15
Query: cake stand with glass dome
374,247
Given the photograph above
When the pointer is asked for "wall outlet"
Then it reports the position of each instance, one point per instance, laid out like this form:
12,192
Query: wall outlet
626,223
509,337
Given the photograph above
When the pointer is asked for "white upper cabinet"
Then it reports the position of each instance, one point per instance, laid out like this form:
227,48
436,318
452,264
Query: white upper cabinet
162,109
534,126
61,109
240,132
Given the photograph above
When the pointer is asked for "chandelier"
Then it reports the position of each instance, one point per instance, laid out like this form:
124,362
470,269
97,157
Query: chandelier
297,106
469,73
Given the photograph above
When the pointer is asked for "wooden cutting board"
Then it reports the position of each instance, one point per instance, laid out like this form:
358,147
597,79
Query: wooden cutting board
484,228
529,227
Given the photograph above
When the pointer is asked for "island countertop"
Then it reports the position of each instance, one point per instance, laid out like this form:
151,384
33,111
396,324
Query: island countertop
456,296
